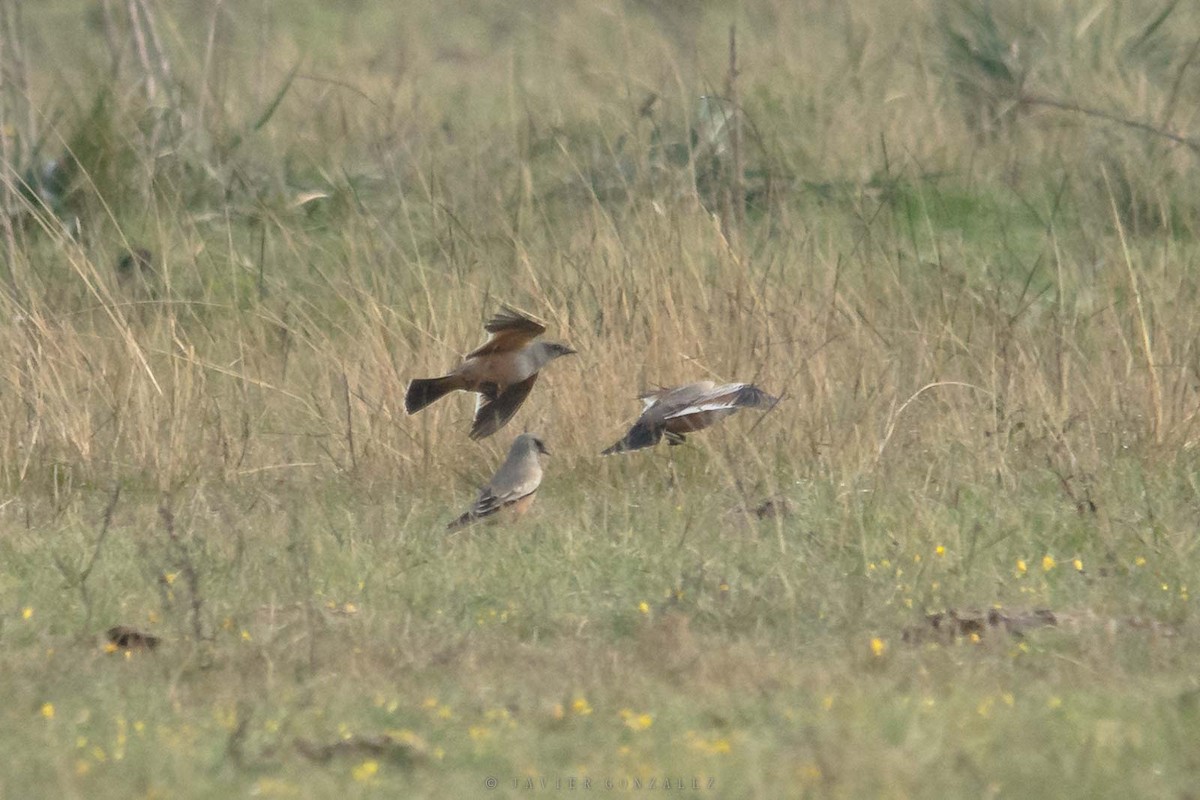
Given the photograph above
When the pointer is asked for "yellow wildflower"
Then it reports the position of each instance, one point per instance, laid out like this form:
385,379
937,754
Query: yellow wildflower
719,746
26,612
636,722
581,707
1140,561
644,607
1078,564
878,647
365,771
1047,563
941,550
48,710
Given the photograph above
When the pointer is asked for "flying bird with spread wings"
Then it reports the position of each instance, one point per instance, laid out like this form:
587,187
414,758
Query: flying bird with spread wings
675,412
513,487
502,371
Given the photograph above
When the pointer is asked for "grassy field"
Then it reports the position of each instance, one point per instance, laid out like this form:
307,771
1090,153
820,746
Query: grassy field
960,242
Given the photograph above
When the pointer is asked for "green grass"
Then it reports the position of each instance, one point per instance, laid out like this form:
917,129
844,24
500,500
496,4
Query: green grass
346,614
978,311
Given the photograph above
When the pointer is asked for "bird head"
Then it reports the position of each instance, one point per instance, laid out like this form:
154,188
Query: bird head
529,443
557,349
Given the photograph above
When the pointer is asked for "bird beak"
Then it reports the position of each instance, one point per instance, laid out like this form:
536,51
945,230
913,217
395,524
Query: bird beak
543,449
570,351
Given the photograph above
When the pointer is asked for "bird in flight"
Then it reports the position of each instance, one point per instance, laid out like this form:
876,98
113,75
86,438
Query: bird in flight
512,489
502,371
675,412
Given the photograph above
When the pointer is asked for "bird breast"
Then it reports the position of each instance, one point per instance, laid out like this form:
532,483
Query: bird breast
502,369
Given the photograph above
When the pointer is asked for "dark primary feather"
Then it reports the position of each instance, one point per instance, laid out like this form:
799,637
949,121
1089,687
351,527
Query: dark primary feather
493,414
750,396
509,319
484,506
510,330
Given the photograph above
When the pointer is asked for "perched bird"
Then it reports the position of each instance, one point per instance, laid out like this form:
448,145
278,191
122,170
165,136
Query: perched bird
514,485
502,372
684,409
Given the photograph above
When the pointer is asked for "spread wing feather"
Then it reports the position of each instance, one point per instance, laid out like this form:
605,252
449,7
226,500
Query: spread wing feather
510,330
495,413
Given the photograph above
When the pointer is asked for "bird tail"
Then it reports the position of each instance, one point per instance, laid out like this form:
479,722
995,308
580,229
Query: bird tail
462,522
423,391
639,436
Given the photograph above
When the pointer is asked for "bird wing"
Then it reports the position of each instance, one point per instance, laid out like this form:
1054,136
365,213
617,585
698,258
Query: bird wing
510,330
722,398
669,400
492,499
494,414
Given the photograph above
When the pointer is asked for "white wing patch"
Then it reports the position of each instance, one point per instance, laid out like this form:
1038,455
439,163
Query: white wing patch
720,398
700,409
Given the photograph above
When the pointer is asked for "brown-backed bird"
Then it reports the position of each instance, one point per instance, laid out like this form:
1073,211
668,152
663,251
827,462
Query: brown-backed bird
502,371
